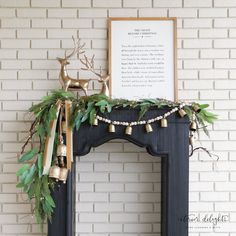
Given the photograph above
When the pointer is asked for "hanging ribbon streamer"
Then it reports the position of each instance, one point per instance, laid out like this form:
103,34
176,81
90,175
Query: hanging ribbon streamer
69,135
47,158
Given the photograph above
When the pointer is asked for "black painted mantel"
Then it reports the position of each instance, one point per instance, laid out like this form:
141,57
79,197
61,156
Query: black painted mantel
171,144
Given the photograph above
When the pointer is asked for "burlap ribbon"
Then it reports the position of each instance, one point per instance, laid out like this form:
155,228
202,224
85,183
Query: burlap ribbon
69,135
47,158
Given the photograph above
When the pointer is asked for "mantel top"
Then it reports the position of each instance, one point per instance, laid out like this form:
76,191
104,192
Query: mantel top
155,142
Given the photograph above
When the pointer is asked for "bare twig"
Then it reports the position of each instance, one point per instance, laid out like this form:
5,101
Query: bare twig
32,131
210,154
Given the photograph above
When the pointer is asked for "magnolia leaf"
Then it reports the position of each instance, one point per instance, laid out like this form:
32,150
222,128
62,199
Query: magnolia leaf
52,113
22,169
92,115
109,107
209,114
28,156
20,185
40,130
40,164
101,103
203,106
78,121
85,117
143,110
150,100
23,176
102,109
29,177
45,186
87,112
50,201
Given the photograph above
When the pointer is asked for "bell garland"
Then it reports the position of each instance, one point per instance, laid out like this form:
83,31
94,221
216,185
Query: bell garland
147,123
59,113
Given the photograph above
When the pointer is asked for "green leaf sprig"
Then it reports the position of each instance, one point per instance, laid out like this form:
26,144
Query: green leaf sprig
31,179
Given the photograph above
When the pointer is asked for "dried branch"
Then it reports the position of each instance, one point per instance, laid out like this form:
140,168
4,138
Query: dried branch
32,131
192,150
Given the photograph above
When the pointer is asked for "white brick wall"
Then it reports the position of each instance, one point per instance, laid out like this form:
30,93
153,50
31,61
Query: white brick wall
118,185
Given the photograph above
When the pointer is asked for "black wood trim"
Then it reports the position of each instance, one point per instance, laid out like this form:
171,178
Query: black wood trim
170,143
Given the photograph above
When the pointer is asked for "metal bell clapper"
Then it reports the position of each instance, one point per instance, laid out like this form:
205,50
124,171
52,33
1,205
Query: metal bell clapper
128,130
148,128
112,128
54,172
164,123
182,112
63,174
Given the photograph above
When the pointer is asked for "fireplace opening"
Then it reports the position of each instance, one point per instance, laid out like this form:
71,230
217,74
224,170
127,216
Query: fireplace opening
118,191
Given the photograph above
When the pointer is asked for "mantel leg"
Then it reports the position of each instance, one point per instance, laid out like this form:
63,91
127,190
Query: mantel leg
175,187
63,217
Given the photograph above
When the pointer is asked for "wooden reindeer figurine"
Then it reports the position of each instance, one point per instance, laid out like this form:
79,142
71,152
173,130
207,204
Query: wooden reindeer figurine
66,81
103,79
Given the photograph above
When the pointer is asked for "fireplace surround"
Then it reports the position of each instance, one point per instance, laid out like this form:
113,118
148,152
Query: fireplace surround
171,144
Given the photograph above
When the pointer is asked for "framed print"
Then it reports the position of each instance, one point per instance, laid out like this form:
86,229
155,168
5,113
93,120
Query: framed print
142,58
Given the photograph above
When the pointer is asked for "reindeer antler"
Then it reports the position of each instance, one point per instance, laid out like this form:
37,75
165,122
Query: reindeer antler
89,64
77,48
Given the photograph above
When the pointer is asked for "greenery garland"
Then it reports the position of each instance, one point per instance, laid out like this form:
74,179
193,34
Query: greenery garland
38,186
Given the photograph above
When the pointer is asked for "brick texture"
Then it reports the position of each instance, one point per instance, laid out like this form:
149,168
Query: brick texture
118,184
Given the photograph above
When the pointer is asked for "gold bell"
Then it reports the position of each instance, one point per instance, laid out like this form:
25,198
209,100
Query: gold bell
164,123
191,140
182,112
54,172
112,128
128,130
63,175
196,108
193,126
148,128
61,150
63,127
95,122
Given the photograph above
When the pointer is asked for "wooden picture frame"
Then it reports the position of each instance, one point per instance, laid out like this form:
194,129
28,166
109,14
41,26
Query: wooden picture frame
142,58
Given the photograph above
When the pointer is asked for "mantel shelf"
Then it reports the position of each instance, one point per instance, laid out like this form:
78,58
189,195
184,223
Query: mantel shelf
156,142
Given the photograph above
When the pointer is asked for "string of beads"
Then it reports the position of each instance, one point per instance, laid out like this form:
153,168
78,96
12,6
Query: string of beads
147,123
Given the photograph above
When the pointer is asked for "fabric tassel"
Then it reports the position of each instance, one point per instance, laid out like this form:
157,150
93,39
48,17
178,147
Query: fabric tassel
47,156
69,135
